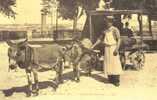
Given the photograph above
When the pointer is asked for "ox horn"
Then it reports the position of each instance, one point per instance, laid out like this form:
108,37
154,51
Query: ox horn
16,43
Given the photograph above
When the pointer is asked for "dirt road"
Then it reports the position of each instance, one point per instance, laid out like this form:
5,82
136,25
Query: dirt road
138,85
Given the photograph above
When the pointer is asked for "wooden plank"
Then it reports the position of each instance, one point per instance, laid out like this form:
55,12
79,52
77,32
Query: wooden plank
113,12
141,27
90,28
49,41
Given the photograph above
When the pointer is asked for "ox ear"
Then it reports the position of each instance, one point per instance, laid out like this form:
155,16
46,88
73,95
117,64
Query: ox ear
22,43
11,44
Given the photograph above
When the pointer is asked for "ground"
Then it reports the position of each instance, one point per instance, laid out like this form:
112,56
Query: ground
138,85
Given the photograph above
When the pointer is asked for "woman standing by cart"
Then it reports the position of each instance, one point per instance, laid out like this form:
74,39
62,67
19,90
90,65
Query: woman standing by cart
111,39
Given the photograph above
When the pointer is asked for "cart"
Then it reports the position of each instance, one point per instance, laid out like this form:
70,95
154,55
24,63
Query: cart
131,52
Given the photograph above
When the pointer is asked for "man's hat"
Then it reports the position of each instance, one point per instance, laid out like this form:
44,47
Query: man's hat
109,18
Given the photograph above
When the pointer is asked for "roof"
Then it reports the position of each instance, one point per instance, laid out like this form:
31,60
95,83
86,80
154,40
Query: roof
113,12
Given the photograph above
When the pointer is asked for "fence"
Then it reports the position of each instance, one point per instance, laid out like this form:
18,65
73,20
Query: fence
7,35
59,34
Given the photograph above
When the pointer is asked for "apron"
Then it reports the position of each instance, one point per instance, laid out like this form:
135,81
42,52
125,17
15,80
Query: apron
112,64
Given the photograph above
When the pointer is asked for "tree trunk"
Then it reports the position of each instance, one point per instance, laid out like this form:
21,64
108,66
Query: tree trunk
150,25
85,31
43,24
75,25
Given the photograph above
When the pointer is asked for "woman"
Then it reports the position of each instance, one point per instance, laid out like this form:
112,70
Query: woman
111,40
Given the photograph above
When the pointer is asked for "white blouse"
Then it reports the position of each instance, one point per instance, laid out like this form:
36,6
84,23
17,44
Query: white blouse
109,38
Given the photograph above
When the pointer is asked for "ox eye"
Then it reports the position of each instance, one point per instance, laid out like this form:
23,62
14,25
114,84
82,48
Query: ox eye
22,48
18,54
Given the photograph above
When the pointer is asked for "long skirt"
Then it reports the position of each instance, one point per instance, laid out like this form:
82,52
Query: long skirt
112,65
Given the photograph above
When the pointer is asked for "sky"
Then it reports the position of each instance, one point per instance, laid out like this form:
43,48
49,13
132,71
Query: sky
27,12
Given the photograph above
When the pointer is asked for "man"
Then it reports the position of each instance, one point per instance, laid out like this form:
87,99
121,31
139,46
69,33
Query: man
131,39
128,30
111,39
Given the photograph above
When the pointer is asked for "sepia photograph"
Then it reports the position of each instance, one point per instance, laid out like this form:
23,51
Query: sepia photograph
78,49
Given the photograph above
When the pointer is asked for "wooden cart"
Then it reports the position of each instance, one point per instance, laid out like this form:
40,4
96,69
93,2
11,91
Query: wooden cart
136,49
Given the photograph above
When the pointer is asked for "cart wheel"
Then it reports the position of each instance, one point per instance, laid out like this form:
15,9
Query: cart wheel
139,60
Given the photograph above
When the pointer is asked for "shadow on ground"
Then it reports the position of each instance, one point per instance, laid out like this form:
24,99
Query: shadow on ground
100,78
51,83
130,67
42,85
24,89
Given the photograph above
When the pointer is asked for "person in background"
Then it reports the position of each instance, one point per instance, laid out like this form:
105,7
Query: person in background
131,37
128,30
111,39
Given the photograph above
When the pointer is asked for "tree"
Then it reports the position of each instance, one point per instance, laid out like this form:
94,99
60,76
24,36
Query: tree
47,6
6,7
69,9
128,4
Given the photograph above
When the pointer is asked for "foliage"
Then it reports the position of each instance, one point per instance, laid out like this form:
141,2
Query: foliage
69,8
128,4
47,5
6,7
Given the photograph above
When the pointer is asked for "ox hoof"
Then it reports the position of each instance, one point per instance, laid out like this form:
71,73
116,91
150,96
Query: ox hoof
35,92
61,82
116,84
89,74
77,80
28,94
55,89
56,85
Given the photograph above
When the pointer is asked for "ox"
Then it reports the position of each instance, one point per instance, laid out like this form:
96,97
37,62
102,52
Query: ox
22,55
